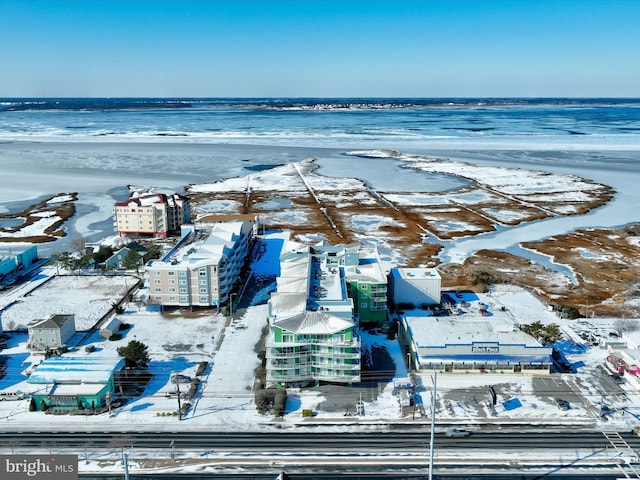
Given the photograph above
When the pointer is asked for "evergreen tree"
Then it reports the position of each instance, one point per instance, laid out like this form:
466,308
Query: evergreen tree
131,261
135,354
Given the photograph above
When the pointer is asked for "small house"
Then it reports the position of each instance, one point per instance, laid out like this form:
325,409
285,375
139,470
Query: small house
118,258
52,332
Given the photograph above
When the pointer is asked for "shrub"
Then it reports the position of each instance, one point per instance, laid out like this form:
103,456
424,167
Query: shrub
115,336
307,412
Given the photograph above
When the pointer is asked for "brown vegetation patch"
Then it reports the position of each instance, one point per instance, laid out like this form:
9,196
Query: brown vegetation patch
403,221
34,213
453,221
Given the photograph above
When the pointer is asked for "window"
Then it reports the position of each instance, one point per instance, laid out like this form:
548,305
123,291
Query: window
158,290
287,337
183,290
182,282
202,282
172,290
203,299
171,280
156,273
183,300
171,273
202,272
157,281
203,290
364,305
365,287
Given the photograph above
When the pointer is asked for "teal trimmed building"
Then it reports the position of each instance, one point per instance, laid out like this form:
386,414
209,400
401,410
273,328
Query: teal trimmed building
67,382
312,329
313,346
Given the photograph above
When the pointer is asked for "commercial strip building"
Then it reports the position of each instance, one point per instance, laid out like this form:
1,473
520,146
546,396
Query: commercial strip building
471,343
155,214
202,269
313,334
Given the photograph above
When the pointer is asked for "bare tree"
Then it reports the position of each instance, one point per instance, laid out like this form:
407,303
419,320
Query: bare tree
79,244
626,325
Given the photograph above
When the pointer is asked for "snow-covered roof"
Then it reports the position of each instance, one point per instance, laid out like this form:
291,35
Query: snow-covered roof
209,246
316,323
428,331
291,284
76,389
153,199
287,304
55,321
70,369
415,273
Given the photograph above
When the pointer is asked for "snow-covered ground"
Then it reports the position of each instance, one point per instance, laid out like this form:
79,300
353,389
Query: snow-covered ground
179,341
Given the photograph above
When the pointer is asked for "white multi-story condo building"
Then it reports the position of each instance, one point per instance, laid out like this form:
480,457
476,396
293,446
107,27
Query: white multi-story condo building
201,270
312,335
156,214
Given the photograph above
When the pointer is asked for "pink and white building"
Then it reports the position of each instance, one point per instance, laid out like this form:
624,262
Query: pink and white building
155,214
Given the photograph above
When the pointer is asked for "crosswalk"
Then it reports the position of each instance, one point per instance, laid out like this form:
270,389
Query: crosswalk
624,452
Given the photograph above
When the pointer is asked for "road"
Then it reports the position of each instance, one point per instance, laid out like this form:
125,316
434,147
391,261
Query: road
396,452
390,441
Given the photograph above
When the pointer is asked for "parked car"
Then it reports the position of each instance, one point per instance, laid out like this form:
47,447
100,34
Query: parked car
457,432
12,396
174,393
561,404
178,378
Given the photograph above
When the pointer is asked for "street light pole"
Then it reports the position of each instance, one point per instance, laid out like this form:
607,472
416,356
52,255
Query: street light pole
178,391
433,425
231,295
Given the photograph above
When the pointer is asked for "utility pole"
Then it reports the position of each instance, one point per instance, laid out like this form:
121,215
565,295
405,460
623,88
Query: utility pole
108,400
231,295
125,457
178,390
433,425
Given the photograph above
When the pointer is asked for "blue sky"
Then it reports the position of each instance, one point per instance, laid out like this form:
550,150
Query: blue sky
288,48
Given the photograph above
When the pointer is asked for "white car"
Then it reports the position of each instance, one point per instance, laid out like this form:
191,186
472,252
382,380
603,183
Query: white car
180,378
12,396
457,432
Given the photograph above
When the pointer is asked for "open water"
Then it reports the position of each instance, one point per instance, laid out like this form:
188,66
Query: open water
97,147
317,122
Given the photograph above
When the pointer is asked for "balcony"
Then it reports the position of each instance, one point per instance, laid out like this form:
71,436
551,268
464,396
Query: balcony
355,343
279,376
342,377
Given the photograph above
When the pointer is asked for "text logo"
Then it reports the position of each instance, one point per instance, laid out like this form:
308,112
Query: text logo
39,467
